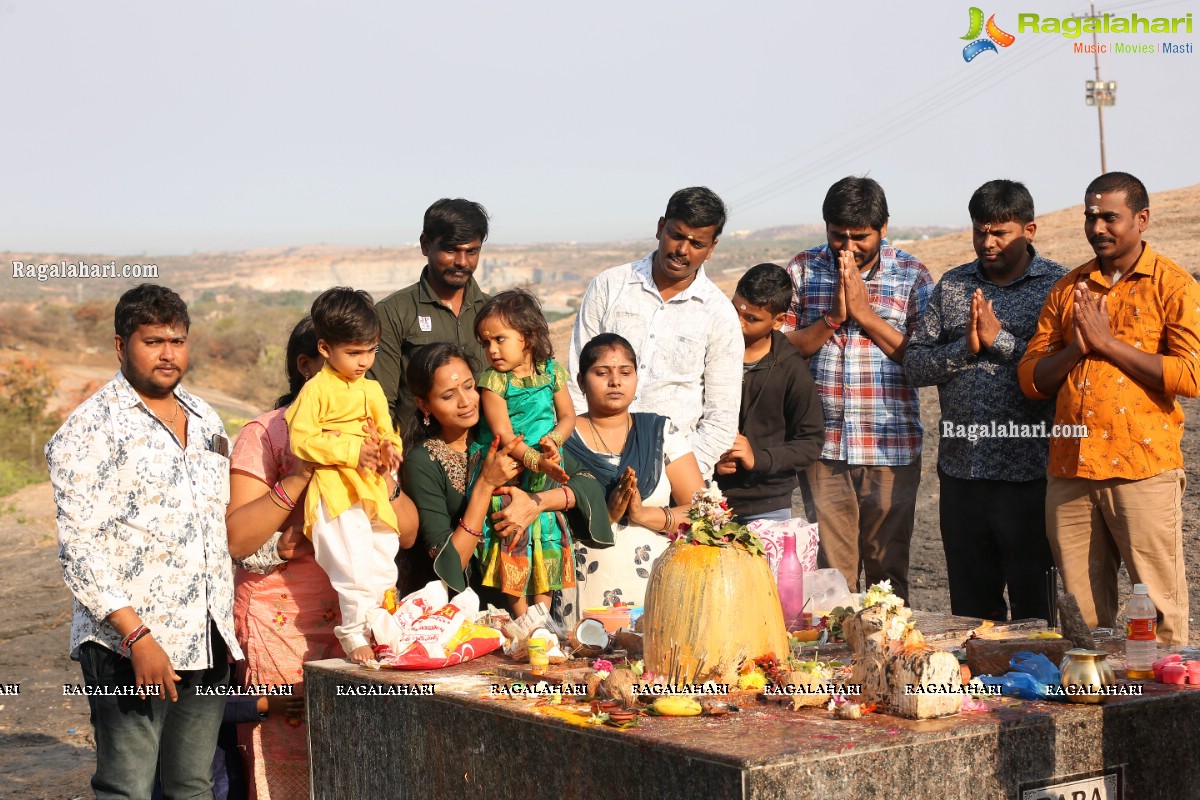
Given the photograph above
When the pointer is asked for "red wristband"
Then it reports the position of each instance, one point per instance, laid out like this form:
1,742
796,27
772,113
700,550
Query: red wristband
132,637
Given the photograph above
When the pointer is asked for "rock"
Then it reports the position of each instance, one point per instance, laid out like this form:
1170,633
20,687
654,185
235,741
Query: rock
1070,619
925,683
991,656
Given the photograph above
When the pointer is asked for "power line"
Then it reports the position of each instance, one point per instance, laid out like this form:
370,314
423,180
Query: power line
912,113
924,111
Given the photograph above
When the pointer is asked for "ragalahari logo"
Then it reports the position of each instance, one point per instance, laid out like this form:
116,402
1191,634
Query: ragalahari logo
995,36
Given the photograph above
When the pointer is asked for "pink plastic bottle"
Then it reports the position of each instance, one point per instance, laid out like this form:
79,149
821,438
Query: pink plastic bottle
790,579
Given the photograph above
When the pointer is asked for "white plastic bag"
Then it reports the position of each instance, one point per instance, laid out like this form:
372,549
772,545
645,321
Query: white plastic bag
825,590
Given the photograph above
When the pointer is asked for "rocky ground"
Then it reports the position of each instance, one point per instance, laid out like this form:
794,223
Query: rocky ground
46,745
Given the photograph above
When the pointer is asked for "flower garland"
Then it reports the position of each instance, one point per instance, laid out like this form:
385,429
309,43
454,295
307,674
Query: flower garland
710,522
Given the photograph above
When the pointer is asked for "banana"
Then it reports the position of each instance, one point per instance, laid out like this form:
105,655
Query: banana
677,706
1045,635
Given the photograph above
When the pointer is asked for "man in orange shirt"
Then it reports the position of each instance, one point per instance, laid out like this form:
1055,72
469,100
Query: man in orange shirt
1118,340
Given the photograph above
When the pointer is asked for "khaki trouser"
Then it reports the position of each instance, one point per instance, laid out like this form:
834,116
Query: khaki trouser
1093,525
864,517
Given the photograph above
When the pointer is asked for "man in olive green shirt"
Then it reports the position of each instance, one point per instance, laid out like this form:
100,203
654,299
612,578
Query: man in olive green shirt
440,307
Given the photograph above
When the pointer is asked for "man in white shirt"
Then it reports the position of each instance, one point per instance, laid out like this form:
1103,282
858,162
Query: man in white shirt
683,328
141,479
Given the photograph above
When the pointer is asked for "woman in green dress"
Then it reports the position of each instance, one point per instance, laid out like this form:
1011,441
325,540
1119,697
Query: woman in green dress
436,474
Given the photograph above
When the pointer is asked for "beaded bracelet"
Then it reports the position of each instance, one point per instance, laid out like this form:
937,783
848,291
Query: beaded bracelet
283,495
477,534
132,637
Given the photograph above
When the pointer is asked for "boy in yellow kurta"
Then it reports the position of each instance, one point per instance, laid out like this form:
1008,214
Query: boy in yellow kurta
347,512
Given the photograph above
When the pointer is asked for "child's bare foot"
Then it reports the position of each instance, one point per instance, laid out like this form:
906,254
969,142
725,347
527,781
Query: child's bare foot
361,655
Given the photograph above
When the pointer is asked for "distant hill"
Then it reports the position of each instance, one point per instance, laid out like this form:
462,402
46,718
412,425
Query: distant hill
559,272
781,232
1174,231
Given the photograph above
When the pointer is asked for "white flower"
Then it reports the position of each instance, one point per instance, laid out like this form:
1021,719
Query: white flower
881,594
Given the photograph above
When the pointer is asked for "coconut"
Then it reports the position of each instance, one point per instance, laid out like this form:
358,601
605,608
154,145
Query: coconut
589,639
629,641
619,686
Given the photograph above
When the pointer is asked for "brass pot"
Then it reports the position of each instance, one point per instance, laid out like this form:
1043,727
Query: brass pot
1085,673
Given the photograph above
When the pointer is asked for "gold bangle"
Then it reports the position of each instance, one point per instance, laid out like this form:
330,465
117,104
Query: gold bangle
555,437
531,459
274,499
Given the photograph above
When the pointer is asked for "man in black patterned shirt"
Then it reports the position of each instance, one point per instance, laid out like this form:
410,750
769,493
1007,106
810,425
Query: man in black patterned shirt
994,441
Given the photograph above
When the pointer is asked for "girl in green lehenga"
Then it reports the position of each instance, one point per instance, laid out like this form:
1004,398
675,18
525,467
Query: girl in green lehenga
524,395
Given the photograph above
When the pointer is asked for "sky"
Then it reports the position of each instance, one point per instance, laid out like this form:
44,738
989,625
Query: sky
170,128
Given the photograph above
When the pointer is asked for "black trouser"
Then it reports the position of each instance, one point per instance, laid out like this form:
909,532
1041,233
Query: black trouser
994,534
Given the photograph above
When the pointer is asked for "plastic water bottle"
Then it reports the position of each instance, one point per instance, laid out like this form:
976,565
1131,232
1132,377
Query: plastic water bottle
790,579
1141,628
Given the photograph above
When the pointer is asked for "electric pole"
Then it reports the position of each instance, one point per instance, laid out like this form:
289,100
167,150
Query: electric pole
1099,93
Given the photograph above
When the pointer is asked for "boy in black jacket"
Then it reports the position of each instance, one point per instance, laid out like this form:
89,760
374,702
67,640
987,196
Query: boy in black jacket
781,426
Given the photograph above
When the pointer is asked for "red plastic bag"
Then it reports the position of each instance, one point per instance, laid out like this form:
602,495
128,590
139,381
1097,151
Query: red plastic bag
444,637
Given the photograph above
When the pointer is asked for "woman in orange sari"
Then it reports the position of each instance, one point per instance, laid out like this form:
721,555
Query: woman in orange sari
285,609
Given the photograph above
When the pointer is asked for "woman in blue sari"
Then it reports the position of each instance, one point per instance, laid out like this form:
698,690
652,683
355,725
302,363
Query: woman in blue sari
646,468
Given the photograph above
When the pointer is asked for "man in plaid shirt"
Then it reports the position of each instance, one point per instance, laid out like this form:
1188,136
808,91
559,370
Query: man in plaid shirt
855,302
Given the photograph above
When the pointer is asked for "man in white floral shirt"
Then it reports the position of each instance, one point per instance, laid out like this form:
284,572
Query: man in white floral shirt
141,479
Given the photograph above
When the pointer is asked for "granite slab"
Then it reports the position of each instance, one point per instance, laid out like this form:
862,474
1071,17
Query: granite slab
451,735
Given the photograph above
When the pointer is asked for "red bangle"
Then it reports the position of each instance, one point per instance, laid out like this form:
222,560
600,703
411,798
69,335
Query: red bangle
828,321
132,637
282,494
566,499
470,530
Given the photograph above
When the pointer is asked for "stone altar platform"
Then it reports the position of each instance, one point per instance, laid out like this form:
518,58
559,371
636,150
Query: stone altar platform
459,740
